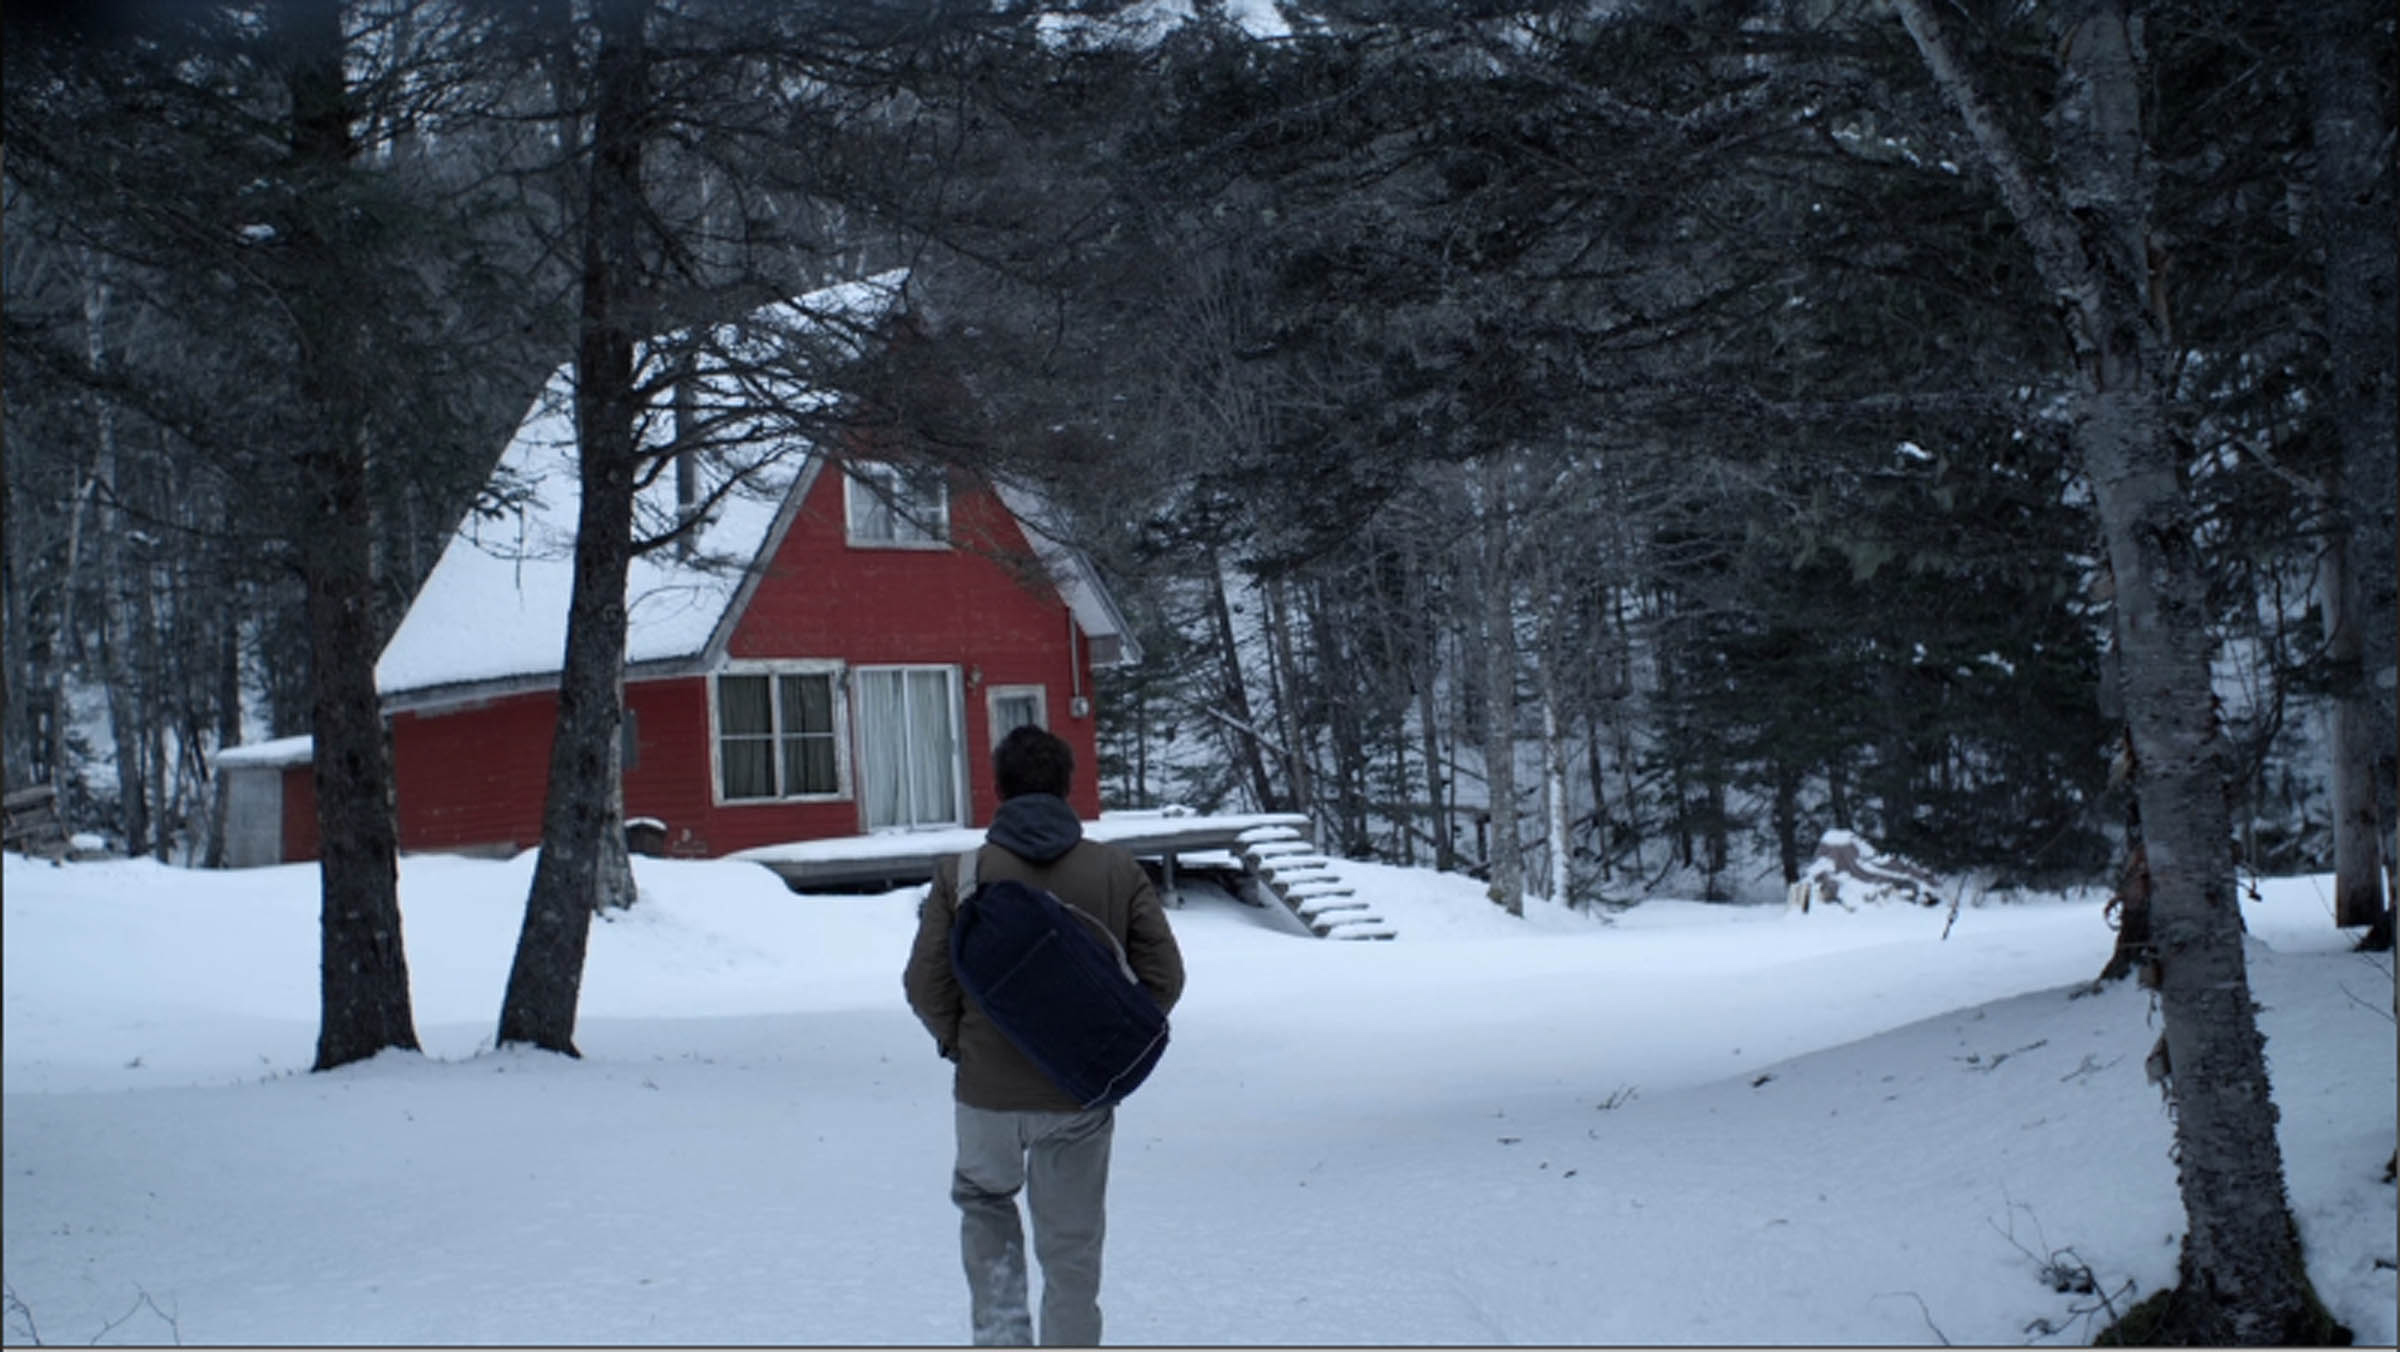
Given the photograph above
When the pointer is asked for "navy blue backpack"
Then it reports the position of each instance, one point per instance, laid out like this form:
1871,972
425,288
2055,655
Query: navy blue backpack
1056,984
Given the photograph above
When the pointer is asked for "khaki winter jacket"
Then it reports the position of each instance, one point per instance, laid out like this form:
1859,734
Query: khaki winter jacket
1099,879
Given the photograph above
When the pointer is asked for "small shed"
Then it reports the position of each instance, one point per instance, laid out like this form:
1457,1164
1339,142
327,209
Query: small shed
270,802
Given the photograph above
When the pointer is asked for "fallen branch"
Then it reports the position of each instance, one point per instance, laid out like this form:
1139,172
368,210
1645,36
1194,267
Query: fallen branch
1923,1309
18,1309
140,1300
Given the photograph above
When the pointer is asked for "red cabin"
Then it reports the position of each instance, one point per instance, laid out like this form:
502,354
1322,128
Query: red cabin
834,651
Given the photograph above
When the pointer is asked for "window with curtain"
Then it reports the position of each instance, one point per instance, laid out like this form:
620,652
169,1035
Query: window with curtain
776,735
1014,706
889,505
909,744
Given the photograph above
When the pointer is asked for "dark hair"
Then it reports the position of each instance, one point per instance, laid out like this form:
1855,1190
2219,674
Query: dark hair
1031,759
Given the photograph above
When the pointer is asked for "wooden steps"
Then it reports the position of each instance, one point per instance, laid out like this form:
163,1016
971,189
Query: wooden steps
1290,869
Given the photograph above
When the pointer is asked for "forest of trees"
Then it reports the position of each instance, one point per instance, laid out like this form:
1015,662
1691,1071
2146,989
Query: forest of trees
1601,445
1662,399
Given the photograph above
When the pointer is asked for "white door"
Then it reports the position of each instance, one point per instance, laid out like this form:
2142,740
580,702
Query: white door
909,747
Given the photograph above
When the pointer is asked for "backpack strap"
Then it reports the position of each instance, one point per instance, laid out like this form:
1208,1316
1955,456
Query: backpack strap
966,872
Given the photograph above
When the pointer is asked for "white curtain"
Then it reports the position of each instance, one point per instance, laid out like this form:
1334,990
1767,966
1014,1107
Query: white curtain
883,740
908,735
933,750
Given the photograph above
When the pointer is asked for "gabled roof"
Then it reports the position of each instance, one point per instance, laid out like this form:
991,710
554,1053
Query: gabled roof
492,616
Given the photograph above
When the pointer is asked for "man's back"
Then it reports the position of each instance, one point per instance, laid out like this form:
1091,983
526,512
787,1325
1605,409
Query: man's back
1017,1129
1098,879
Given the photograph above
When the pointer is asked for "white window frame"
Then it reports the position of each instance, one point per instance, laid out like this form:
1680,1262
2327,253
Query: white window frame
993,694
836,673
857,493
961,806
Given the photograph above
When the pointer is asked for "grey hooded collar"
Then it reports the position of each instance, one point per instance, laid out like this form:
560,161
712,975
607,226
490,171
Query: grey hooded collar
1037,827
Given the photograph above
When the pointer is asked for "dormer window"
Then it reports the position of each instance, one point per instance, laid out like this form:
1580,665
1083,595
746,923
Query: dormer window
895,507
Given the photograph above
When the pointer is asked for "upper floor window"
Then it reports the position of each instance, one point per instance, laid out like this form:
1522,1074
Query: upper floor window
1014,706
907,507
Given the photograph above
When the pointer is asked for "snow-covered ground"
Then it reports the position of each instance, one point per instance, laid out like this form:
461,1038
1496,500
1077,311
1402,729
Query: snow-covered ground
1700,1124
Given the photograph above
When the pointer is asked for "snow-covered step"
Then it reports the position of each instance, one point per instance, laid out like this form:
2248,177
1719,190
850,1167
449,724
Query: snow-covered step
1312,908
1277,849
1289,867
1295,868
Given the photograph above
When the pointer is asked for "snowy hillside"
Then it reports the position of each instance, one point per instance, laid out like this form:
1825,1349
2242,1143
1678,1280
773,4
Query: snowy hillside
1699,1124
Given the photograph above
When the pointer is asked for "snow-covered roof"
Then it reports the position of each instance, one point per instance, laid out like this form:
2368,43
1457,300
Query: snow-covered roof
281,752
1072,573
494,608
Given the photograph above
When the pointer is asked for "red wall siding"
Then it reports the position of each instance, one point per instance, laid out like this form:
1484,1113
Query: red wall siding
475,776
299,813
822,598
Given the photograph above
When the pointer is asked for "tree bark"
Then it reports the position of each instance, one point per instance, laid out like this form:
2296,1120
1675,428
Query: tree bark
364,967
1283,683
1500,691
1425,672
2241,1275
1235,691
580,810
1554,785
1557,810
227,672
116,630
1352,757
2351,221
2357,856
1787,820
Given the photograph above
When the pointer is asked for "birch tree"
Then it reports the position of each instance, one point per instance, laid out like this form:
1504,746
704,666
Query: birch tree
1497,636
2089,229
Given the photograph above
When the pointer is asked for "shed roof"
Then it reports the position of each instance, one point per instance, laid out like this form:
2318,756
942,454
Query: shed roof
281,752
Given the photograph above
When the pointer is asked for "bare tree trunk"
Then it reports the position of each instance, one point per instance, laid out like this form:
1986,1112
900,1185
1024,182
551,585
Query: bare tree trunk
17,756
116,630
1283,682
2357,856
1595,768
1787,820
228,674
1557,810
1500,691
583,806
1425,672
2352,222
1234,690
66,641
1716,842
1437,803
1352,758
156,710
1621,735
364,968
2242,1279
1554,785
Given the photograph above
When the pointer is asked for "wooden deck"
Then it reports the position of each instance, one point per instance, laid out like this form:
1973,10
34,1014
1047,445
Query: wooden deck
908,856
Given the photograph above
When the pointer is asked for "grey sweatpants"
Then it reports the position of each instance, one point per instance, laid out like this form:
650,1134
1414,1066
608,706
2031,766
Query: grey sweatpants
1061,1161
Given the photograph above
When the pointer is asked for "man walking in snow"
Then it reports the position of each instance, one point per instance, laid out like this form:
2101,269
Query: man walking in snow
1016,1129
